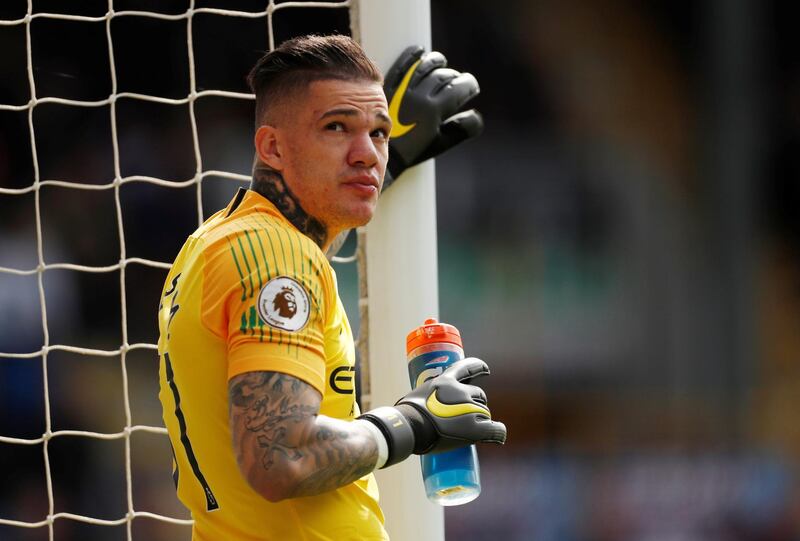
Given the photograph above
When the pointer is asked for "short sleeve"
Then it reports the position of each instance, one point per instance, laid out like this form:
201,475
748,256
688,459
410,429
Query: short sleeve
265,293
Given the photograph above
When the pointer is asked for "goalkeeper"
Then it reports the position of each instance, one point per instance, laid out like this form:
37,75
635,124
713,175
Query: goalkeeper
257,356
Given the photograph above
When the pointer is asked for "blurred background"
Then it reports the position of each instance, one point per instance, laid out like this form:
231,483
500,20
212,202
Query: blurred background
622,245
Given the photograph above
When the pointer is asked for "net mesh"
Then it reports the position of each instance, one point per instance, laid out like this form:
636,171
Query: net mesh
125,262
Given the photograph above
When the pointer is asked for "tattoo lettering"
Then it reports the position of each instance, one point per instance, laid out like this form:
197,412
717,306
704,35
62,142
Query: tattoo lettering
270,183
274,422
267,418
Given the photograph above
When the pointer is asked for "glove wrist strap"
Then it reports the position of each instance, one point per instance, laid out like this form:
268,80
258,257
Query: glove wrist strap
395,429
425,434
380,440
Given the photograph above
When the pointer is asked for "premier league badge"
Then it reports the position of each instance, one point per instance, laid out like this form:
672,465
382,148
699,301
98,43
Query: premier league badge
283,304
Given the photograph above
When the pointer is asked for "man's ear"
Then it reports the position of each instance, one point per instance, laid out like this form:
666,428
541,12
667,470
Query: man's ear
266,143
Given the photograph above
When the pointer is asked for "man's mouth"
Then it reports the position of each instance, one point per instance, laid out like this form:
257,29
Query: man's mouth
366,184
366,180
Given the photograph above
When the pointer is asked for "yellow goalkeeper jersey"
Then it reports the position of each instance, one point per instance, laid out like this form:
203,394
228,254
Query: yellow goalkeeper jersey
249,292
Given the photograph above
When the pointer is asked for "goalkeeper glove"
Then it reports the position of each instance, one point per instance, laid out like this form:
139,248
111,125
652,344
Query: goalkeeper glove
424,98
441,414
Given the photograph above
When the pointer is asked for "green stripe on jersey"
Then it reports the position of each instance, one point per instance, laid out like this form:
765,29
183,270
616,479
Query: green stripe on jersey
246,264
238,268
258,267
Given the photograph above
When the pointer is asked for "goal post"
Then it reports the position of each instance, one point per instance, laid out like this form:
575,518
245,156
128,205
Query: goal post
401,269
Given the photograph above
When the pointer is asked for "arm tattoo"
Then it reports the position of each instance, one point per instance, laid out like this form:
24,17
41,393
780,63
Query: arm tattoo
270,183
337,464
275,422
268,420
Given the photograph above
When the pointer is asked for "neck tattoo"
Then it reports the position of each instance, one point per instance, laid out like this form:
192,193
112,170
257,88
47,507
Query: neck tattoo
270,184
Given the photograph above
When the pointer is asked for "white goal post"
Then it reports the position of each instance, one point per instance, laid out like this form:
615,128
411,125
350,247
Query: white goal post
401,268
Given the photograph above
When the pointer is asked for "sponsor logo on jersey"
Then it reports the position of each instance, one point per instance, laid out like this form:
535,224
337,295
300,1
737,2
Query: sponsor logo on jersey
342,379
283,304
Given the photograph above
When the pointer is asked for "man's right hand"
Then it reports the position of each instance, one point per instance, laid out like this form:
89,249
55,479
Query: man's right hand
441,414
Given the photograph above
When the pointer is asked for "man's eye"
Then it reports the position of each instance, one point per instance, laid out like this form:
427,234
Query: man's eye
380,133
335,126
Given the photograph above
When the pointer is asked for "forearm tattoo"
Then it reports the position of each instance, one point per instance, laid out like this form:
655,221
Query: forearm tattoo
274,422
270,183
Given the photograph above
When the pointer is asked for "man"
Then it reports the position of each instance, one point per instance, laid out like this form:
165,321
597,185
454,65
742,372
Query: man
252,328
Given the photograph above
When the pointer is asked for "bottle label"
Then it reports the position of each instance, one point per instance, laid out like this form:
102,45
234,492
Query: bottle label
430,364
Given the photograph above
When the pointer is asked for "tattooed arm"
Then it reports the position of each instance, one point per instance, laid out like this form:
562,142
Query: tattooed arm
284,448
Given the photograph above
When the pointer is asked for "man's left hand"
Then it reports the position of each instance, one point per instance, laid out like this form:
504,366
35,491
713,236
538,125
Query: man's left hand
424,98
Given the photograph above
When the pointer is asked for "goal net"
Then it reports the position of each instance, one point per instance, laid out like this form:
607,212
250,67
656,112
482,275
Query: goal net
121,129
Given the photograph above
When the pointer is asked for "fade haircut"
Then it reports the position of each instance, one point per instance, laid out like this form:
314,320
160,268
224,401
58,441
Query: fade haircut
296,63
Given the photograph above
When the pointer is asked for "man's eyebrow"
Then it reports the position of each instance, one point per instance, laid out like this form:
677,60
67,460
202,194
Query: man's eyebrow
340,112
343,111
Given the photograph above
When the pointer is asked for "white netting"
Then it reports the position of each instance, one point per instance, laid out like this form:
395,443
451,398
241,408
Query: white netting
124,261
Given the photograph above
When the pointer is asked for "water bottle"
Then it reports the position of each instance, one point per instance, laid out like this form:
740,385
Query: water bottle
453,477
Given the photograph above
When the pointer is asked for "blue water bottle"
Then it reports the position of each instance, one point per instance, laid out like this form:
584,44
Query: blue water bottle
451,478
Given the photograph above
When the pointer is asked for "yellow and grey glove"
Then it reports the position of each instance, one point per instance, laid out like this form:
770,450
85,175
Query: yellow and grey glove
425,97
441,414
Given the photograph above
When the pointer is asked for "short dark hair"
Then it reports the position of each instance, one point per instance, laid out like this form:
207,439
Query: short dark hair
298,62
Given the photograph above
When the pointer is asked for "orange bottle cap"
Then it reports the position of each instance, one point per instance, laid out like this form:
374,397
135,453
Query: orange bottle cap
432,332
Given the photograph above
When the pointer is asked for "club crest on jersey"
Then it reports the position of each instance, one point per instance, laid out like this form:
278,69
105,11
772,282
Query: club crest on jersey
283,304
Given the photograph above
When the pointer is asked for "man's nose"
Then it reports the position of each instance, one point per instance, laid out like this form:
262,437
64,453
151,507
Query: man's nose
362,151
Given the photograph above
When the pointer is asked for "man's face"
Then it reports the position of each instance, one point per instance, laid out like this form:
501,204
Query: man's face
334,147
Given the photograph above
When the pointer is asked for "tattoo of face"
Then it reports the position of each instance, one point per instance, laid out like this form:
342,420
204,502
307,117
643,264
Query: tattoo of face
270,183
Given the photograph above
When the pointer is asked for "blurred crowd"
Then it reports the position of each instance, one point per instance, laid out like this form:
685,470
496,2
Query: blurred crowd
622,246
